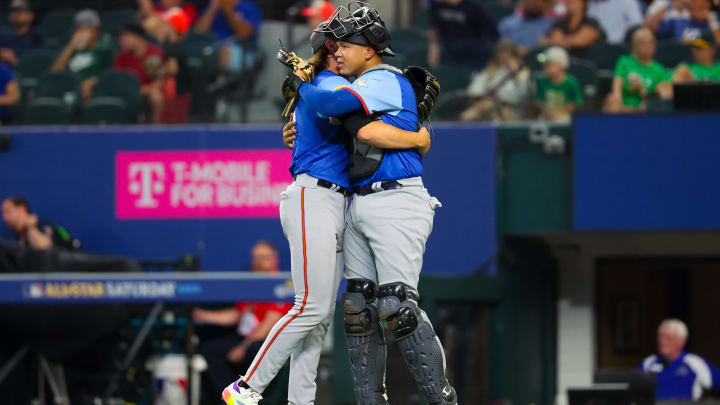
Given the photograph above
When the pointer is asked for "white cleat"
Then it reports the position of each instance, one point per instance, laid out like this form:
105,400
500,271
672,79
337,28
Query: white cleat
234,394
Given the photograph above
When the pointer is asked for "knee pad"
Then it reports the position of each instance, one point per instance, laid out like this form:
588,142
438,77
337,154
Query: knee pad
361,318
396,306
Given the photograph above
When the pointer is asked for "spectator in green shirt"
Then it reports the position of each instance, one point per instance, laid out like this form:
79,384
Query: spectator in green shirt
638,76
86,54
558,93
703,67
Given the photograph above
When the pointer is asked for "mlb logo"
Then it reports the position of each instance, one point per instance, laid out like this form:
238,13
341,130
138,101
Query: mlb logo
35,290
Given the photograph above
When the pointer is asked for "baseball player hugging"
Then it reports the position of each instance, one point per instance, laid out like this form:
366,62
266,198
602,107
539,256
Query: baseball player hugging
312,213
391,214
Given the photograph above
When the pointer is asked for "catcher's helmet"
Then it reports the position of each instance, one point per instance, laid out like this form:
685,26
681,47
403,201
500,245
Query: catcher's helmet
360,25
320,37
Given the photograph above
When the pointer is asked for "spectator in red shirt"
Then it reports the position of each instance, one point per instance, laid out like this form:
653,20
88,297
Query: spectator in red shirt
145,60
228,356
168,20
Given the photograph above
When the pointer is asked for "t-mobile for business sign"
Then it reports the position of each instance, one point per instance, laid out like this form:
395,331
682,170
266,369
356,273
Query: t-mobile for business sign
200,183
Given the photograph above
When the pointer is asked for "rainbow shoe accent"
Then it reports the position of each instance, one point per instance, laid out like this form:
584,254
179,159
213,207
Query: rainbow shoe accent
233,394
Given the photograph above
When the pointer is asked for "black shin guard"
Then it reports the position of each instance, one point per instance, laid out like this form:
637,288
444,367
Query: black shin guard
418,344
366,344
423,355
368,355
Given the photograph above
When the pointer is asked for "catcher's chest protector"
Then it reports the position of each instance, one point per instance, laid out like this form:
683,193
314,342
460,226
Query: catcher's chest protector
365,159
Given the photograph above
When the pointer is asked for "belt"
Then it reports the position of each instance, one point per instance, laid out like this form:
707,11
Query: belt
377,187
331,186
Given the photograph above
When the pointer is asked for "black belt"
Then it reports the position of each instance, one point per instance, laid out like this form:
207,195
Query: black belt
384,185
330,186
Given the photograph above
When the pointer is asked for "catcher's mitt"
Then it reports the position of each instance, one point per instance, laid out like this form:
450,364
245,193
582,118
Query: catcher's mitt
427,90
295,63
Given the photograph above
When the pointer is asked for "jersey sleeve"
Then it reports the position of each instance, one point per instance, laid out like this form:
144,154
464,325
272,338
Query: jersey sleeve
715,373
333,83
378,91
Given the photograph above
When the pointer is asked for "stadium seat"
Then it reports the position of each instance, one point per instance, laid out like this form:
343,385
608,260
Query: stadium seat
62,85
123,85
4,19
46,111
586,73
202,60
498,11
411,45
671,53
105,110
207,38
114,20
56,25
657,105
422,19
605,55
33,64
452,77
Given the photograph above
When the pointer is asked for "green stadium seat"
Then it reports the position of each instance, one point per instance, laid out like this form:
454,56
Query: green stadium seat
422,20
671,53
123,85
207,38
657,105
201,55
46,111
114,20
586,73
605,56
411,45
4,19
62,85
498,11
105,111
452,77
56,26
33,64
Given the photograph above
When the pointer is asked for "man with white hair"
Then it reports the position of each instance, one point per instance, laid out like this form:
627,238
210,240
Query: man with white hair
680,375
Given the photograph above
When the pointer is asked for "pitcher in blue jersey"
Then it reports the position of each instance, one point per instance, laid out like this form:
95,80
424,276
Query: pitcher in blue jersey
390,216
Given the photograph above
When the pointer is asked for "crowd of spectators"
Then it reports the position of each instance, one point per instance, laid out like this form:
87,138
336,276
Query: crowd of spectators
544,59
158,43
624,55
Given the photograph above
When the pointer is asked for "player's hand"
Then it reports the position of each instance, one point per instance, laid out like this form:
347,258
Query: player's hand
425,141
289,132
237,354
301,73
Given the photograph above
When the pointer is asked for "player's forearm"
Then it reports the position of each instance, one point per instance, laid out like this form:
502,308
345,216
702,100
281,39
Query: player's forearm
329,103
382,135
